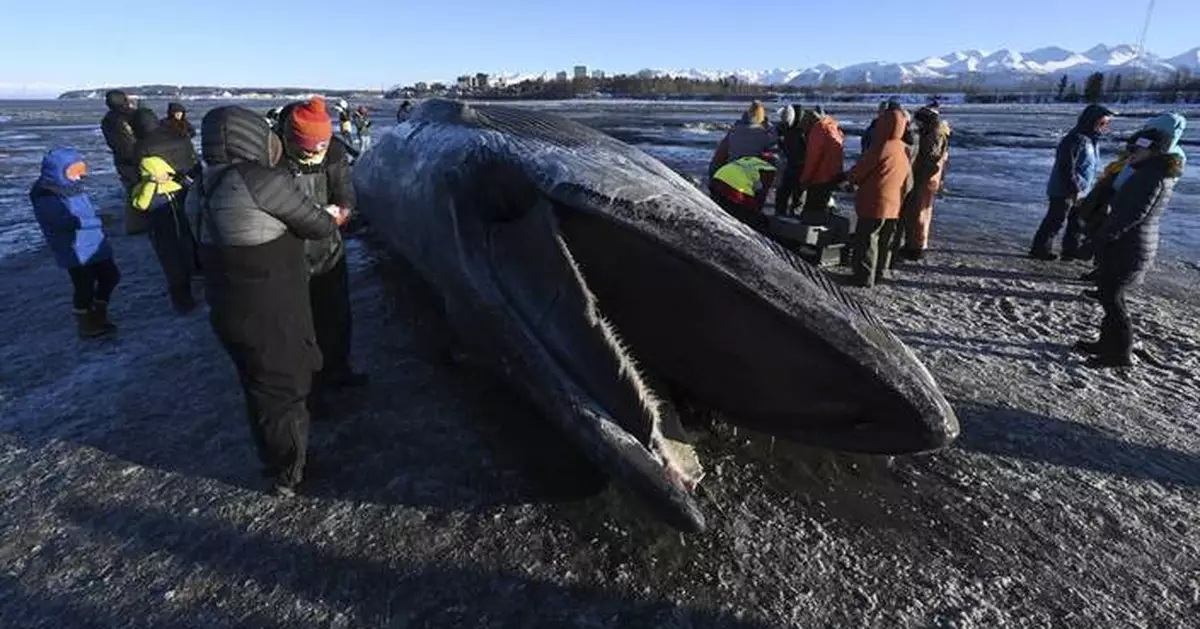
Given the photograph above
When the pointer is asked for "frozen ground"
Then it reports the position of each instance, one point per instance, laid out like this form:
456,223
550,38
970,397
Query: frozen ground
130,495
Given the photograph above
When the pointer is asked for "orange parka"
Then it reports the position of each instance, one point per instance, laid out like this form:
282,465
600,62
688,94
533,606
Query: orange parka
882,171
824,152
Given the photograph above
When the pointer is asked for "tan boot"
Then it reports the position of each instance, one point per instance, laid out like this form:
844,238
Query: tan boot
100,317
89,328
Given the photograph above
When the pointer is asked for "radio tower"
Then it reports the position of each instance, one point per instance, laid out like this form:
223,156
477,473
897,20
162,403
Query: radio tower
1141,44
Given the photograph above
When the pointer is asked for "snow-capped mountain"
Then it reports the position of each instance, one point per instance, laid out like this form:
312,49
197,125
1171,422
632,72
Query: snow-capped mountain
1189,60
996,69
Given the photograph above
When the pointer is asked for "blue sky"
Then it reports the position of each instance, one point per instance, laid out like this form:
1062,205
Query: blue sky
376,43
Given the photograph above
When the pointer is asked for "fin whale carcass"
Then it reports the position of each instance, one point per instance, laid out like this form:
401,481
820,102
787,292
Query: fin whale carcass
576,265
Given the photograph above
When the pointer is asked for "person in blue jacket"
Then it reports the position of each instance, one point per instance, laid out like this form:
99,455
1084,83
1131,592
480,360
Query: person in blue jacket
75,235
1075,165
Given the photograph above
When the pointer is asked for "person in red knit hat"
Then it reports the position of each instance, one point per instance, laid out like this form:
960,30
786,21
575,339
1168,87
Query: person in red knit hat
322,169
311,129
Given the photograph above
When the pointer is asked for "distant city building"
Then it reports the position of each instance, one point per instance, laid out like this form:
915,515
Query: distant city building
581,72
421,87
481,80
464,82
598,75
562,76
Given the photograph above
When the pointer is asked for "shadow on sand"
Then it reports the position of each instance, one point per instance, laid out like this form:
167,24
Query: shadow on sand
978,345
985,291
423,433
983,273
227,564
1020,434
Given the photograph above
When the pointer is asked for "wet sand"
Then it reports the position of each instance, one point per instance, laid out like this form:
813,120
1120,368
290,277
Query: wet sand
131,495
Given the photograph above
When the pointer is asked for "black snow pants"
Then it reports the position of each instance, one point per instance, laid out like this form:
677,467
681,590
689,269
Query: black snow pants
1116,329
329,296
816,203
1060,210
260,311
93,282
174,246
788,193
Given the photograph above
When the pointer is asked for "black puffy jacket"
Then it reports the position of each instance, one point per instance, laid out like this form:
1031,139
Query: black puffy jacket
176,149
793,143
144,122
117,127
245,198
1127,241
327,183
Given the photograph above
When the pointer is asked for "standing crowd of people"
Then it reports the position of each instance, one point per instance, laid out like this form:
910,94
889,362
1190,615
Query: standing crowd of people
1110,214
259,214
896,179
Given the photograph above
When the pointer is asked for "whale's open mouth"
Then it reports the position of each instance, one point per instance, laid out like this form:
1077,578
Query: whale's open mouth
577,369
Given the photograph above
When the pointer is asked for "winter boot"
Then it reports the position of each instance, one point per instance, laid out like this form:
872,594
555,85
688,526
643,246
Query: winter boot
1104,361
339,378
87,325
1094,348
99,315
182,301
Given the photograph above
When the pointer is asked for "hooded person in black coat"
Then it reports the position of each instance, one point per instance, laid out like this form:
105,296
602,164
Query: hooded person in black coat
252,220
1127,242
117,126
118,129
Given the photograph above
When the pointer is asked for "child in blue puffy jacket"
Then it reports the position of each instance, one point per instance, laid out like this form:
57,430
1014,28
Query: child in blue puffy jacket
76,237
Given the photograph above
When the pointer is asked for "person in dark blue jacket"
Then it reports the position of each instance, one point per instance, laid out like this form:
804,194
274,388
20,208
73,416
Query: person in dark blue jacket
75,235
1127,241
1075,165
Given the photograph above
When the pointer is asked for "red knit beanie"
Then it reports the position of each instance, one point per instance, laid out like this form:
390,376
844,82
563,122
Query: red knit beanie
311,128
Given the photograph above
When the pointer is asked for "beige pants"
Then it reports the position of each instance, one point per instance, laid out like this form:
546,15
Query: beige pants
919,215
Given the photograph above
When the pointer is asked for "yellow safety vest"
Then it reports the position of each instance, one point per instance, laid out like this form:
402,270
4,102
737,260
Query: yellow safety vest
744,174
152,168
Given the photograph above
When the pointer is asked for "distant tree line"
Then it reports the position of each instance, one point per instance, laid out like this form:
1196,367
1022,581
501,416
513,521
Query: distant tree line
167,92
1183,87
1180,88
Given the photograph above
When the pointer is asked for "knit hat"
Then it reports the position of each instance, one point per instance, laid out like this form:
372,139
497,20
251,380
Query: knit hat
1171,125
787,115
175,107
311,128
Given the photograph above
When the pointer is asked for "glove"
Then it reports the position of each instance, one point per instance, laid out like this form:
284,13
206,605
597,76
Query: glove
340,215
